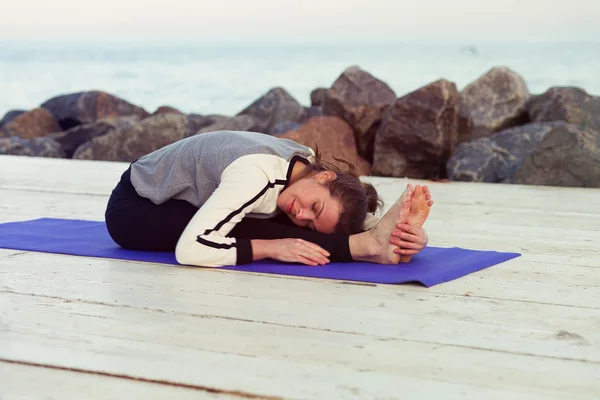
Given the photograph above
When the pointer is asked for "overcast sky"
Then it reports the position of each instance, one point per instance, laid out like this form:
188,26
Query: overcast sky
300,20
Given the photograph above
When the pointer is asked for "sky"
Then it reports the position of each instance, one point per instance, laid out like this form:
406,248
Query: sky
300,20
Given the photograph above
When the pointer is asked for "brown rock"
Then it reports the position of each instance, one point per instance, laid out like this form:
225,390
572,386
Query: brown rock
361,100
37,147
77,136
567,156
86,107
167,110
275,106
317,97
334,137
130,143
570,104
237,123
32,124
495,101
9,116
419,133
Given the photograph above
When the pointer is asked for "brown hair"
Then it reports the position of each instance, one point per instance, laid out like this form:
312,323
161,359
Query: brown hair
356,197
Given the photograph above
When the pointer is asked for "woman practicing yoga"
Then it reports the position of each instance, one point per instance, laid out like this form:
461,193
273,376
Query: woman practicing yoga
228,198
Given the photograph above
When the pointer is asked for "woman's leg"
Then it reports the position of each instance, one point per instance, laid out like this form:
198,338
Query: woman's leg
337,245
136,223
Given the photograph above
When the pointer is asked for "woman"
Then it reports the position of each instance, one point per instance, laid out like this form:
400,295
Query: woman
229,198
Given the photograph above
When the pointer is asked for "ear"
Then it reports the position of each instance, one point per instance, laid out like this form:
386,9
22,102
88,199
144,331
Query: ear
325,176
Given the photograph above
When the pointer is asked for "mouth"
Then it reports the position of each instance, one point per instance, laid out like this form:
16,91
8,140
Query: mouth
290,207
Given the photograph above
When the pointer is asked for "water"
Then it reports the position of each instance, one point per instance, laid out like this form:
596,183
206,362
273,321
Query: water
225,79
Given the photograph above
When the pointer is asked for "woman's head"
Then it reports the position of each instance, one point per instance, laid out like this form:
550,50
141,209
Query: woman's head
327,199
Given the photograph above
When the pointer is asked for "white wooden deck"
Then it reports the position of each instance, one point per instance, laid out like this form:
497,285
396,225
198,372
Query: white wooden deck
83,328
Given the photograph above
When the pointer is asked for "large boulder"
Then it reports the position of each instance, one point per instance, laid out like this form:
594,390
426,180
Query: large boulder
237,123
570,104
86,107
9,116
317,97
497,158
71,139
283,127
360,99
166,110
495,101
275,106
419,133
31,124
334,137
567,156
38,147
132,142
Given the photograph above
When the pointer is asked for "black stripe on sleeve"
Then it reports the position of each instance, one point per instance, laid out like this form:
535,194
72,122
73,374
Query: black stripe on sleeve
205,242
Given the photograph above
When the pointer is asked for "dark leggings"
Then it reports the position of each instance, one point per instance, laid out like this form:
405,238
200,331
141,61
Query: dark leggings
136,223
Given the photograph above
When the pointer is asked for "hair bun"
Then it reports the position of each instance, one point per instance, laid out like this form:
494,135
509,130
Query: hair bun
374,202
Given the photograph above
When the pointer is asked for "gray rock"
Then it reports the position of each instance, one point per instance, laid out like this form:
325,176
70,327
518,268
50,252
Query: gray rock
495,101
360,99
317,97
86,107
77,136
275,106
496,158
132,142
567,156
283,127
418,133
38,147
237,123
570,104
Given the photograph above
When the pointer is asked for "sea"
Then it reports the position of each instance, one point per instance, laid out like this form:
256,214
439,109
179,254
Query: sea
225,78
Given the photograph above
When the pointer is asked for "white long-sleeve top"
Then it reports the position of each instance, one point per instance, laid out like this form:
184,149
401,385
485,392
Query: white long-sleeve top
228,175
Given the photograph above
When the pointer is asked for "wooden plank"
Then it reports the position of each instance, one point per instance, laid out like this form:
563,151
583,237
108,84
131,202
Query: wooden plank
73,176
273,360
23,205
385,312
22,381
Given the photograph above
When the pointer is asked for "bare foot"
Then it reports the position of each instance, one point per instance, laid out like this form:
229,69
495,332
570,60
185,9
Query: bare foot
419,206
374,245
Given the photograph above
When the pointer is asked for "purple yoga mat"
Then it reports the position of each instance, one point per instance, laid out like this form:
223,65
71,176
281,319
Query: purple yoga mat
430,267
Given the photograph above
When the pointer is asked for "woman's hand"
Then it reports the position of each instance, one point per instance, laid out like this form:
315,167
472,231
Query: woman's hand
290,250
409,239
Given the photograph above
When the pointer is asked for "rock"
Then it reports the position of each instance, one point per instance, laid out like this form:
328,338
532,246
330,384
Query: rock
237,123
567,156
9,116
283,127
419,133
497,158
334,137
32,124
310,112
317,97
361,100
86,107
130,143
37,147
77,136
495,101
275,106
166,110
570,104
198,121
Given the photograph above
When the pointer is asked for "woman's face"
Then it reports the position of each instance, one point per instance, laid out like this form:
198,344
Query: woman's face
309,204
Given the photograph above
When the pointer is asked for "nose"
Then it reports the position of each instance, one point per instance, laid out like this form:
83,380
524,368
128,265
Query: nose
303,213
